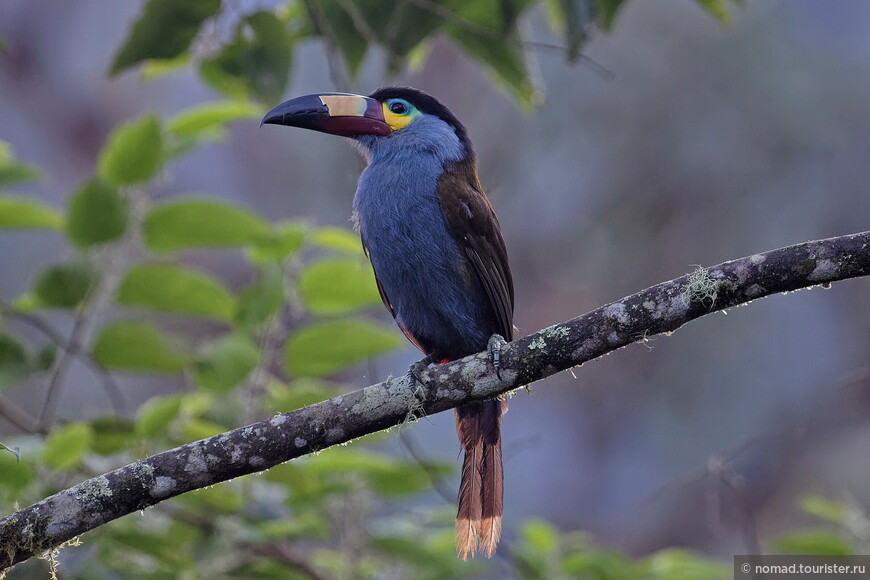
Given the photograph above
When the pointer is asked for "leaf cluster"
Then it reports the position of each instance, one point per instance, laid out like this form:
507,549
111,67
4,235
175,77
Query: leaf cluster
251,55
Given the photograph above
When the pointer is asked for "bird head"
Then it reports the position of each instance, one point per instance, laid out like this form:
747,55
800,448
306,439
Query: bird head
388,120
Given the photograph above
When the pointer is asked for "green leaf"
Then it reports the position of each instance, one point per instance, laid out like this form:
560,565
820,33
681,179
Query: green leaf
718,8
170,288
677,564
812,542
221,498
163,31
540,536
15,451
167,552
285,241
65,447
306,525
416,553
495,42
112,434
158,67
822,508
14,361
338,286
11,171
195,429
352,44
304,487
14,474
20,212
386,475
208,117
136,346
155,415
207,122
256,63
597,563
225,363
262,298
63,285
300,393
197,403
606,12
96,214
45,357
323,348
133,152
200,222
399,27
337,239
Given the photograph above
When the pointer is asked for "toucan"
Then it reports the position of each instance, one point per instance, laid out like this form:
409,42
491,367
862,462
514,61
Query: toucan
439,259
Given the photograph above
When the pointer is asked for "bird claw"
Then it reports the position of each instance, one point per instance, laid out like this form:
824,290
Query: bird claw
418,367
418,386
496,342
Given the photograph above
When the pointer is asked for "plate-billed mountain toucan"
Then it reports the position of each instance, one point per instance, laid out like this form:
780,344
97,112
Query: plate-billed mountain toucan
439,258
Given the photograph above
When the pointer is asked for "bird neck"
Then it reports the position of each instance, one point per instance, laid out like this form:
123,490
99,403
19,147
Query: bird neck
401,185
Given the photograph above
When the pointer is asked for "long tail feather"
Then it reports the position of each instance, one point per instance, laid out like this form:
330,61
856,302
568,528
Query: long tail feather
481,490
492,475
470,512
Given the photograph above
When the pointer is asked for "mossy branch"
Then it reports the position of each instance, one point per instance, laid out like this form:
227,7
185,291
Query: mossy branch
659,309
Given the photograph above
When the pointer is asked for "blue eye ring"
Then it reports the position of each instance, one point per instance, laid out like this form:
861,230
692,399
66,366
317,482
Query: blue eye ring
399,107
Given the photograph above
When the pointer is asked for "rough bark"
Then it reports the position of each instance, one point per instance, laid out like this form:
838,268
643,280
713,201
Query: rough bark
660,309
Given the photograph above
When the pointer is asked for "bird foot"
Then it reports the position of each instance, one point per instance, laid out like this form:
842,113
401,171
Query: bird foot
496,342
418,367
415,410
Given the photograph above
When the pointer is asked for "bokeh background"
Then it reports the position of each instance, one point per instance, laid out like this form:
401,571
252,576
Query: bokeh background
703,143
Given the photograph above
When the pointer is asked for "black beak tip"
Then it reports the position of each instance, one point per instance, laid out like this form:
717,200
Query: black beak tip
272,118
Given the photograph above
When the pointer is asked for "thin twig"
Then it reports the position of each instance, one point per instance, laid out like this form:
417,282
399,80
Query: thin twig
269,345
333,52
18,416
601,70
737,486
112,258
58,371
283,554
112,388
360,25
434,477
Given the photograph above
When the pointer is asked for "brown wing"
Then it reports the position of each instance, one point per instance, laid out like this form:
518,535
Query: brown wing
474,226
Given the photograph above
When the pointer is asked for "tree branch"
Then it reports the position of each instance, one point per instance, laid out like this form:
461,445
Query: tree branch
660,309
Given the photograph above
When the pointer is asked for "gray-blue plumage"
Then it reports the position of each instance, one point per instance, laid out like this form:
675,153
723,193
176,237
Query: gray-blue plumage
423,273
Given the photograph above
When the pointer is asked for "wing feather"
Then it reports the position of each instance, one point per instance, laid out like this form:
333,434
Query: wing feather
472,223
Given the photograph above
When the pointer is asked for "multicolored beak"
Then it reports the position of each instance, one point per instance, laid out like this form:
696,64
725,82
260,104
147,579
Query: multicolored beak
334,113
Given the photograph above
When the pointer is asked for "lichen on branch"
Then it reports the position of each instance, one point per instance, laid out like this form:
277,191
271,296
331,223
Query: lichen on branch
659,309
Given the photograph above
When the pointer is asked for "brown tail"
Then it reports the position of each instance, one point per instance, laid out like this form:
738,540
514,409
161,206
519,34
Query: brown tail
481,489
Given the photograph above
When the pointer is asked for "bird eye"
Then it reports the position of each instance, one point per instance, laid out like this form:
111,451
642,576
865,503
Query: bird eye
398,107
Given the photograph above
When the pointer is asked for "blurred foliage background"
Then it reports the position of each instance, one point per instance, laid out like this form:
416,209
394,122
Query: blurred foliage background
170,272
